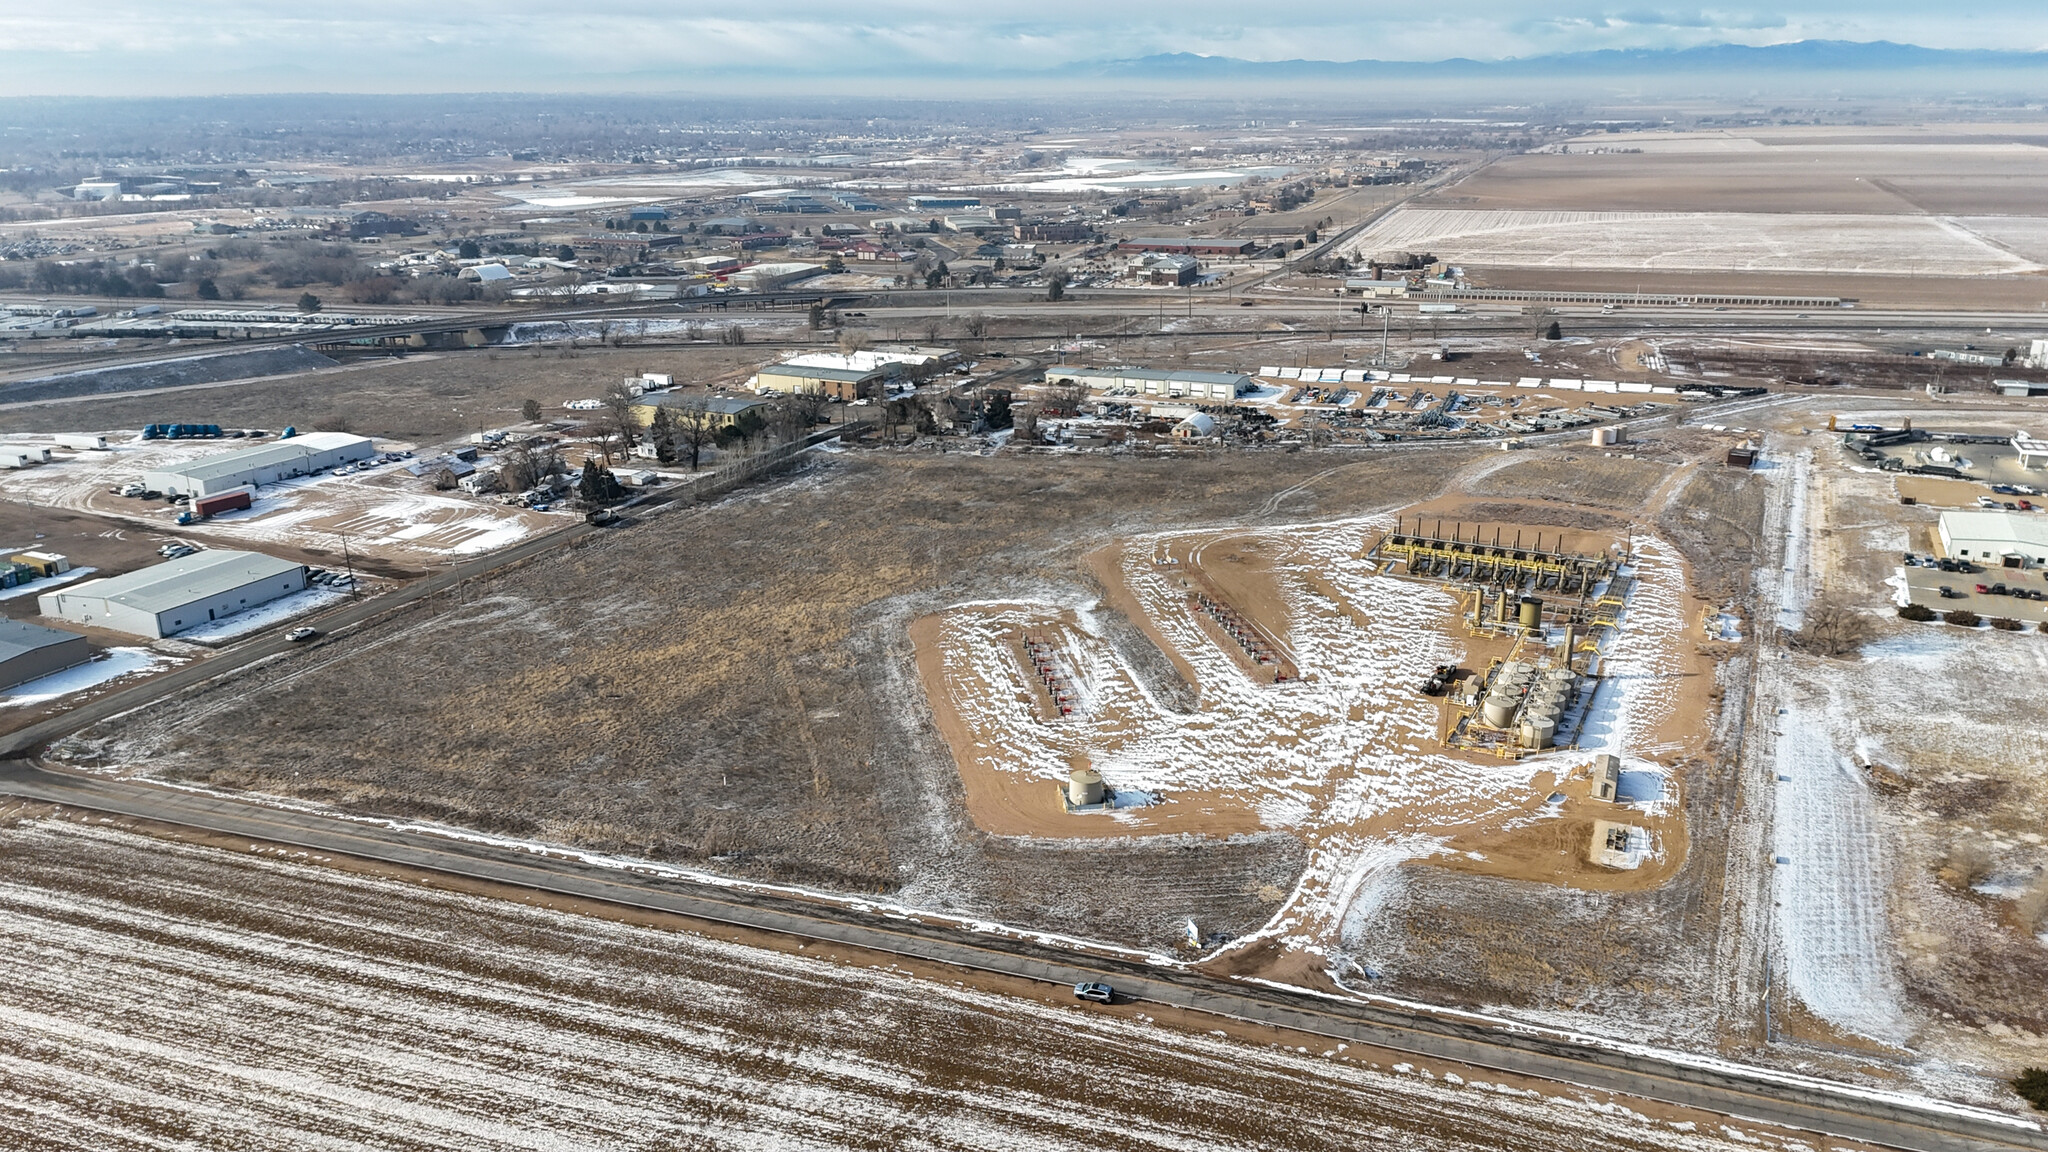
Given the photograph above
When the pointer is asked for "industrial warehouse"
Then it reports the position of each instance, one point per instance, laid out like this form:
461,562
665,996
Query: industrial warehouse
1994,538
165,599
1224,386
31,652
267,464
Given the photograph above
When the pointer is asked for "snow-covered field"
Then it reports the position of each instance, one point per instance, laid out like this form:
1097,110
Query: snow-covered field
1715,241
156,994
1830,875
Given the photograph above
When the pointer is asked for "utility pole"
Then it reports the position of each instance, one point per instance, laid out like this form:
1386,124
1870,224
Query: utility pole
349,559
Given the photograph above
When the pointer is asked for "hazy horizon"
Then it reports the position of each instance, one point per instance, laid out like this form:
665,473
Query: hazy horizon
126,48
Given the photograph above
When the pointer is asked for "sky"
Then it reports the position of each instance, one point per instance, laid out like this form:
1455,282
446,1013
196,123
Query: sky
145,47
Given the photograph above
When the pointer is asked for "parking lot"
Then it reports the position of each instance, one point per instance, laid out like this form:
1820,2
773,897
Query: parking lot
1924,587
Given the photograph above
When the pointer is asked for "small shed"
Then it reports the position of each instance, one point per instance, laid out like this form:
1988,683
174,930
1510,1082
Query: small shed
1199,426
1742,456
1607,778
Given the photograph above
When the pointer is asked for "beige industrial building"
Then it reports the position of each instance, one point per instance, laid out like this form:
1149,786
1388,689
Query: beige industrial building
1994,538
838,383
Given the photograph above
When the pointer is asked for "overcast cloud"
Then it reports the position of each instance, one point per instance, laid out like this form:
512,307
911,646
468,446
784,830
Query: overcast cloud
129,47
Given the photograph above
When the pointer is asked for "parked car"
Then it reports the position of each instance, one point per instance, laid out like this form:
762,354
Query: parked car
1090,990
1983,589
1948,593
301,635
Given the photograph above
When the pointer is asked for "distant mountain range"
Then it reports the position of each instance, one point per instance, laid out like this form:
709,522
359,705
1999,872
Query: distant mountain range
1804,56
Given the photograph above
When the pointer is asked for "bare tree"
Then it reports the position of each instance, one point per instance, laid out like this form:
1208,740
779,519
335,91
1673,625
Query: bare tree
1833,629
976,327
1066,398
793,415
931,332
522,466
696,427
851,341
619,403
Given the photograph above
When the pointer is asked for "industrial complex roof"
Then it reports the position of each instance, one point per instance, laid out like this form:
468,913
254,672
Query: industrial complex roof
264,456
173,583
17,639
1154,374
803,373
723,405
2029,528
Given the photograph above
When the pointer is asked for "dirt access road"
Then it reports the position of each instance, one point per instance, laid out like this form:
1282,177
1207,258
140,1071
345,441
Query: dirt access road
1712,1086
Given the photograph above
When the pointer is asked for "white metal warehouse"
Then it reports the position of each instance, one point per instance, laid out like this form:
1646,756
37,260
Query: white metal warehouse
264,464
1995,538
1223,386
165,599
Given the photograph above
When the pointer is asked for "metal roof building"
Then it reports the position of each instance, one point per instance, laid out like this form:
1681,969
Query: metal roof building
1152,382
1191,245
724,410
164,599
29,652
1995,539
264,464
839,383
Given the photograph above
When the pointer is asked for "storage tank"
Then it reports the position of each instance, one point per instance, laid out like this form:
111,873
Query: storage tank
1538,732
1530,616
1500,707
1084,787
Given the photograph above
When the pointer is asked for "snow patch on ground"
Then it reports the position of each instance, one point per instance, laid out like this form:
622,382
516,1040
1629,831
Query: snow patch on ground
264,615
119,662
36,587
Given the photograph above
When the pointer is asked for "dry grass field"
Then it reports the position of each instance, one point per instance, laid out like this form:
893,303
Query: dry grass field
140,985
422,398
734,686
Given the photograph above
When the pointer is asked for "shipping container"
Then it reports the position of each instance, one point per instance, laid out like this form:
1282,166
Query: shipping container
219,502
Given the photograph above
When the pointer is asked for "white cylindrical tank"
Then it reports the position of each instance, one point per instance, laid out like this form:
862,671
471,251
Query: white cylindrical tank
1538,732
1084,787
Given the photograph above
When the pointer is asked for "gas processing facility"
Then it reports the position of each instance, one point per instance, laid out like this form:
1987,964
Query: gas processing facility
1542,611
